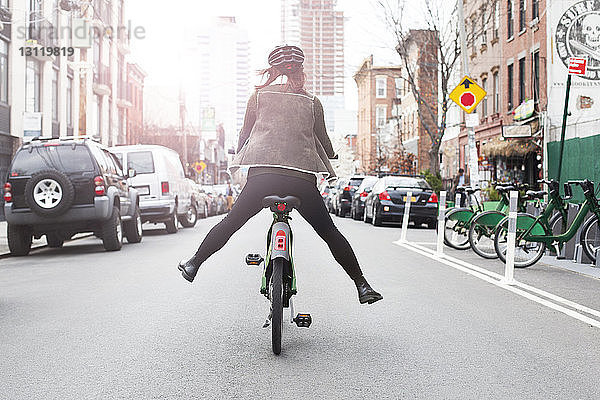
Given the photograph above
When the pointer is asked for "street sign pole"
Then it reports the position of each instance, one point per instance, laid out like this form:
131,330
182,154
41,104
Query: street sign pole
473,157
563,129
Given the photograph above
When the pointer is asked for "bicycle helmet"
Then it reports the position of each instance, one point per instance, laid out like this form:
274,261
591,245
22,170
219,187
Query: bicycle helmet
288,57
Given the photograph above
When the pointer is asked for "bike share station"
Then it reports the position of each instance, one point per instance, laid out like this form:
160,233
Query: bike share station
521,229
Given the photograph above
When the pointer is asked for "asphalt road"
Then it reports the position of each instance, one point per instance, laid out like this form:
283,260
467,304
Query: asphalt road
78,323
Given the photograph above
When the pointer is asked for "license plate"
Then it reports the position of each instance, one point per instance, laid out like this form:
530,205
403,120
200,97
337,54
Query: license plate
142,190
413,199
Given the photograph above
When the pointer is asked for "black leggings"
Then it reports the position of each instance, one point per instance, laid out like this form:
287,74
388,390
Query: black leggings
312,209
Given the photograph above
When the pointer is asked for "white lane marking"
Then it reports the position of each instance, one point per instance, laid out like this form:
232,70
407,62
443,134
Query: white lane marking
487,276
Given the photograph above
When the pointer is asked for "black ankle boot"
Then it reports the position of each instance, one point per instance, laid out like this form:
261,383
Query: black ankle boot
188,270
366,294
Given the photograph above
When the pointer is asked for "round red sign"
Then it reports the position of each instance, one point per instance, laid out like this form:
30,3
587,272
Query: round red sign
467,99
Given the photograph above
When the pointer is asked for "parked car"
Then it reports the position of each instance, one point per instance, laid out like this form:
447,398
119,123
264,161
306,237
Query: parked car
345,189
61,187
386,201
200,198
358,200
165,195
329,199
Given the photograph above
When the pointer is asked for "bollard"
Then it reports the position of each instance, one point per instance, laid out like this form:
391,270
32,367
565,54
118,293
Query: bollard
597,263
441,222
509,270
457,200
406,215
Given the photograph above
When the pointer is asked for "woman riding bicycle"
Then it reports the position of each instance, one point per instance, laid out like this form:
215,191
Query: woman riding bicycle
285,144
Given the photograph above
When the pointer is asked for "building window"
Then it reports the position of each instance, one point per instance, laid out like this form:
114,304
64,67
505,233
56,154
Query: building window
99,115
484,109
521,80
483,29
522,11
3,71
496,92
380,115
398,82
33,86
54,94
496,19
509,19
509,87
4,3
69,101
380,87
536,76
473,35
535,9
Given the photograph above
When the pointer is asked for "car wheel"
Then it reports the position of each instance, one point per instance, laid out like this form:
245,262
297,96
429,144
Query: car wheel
49,193
188,220
171,223
54,240
366,219
133,228
19,239
112,232
376,220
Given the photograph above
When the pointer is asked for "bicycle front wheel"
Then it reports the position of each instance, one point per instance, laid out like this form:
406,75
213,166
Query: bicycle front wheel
457,228
527,252
590,238
277,304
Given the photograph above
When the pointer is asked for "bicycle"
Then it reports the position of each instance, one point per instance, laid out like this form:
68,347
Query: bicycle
457,220
534,234
279,279
483,224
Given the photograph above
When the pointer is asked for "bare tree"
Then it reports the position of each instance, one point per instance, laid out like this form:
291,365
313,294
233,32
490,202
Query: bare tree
438,52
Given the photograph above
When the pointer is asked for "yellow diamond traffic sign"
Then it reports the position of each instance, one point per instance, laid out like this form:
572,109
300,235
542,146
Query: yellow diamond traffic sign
199,166
467,94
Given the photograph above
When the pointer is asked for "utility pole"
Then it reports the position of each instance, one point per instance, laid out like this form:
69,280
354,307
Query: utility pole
182,128
473,157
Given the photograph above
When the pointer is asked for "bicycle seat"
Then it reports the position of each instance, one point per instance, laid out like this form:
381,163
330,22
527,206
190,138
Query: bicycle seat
532,194
460,189
274,201
471,190
502,189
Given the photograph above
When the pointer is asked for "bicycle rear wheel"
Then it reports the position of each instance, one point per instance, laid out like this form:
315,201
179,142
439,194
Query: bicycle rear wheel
277,304
590,238
481,233
457,228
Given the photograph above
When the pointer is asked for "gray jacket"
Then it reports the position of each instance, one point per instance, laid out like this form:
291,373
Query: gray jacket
284,129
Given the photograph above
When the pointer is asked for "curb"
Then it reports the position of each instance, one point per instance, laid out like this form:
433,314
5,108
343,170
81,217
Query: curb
8,255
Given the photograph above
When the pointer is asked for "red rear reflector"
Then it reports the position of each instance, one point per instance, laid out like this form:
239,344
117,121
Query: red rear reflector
384,196
164,187
8,197
347,189
281,207
364,194
433,198
280,241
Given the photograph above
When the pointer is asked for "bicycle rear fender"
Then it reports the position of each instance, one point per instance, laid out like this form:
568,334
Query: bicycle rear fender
460,214
280,248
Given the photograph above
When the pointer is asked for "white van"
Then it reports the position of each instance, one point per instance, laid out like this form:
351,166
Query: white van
161,183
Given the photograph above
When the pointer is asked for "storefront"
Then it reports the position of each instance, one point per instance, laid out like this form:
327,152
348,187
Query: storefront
512,160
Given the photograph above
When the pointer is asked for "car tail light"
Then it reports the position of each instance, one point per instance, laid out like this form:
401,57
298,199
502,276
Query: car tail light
384,195
164,187
99,188
433,198
364,194
280,241
347,188
7,192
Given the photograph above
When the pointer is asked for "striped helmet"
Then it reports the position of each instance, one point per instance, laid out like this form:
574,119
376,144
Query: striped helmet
290,57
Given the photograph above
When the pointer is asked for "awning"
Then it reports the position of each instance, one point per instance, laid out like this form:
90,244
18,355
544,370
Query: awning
507,148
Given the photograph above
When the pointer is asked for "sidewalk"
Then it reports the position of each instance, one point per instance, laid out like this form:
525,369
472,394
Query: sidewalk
4,240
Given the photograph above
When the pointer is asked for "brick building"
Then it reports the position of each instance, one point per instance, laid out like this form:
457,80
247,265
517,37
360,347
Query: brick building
135,112
377,94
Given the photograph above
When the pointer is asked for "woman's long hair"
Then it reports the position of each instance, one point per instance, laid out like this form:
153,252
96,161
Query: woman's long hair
295,78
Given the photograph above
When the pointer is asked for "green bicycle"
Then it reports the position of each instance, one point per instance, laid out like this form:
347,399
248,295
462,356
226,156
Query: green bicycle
483,225
534,234
279,279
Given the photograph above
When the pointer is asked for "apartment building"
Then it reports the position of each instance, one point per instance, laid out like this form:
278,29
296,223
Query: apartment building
378,94
135,112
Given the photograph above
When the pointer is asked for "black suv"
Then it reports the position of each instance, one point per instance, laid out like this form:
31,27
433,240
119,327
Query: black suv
345,189
61,187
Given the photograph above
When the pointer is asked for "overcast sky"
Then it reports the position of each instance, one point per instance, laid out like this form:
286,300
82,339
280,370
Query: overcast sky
158,53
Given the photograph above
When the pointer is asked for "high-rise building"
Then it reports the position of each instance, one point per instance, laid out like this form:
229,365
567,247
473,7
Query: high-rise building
318,28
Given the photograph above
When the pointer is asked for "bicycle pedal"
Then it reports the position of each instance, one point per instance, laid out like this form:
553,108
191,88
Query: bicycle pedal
303,320
254,259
